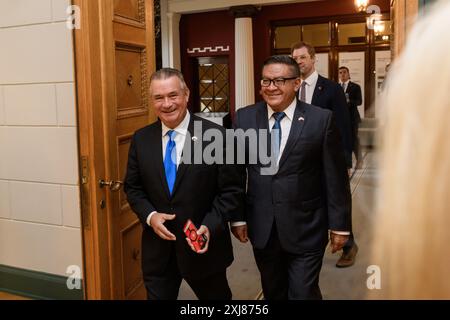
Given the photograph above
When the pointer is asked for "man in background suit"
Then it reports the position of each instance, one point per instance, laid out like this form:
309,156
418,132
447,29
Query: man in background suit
353,96
165,193
324,93
288,214
354,99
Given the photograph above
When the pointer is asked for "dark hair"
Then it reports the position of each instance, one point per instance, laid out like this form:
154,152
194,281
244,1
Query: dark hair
284,59
166,73
344,67
301,44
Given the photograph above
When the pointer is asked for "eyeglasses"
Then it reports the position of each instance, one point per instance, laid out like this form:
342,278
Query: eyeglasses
279,82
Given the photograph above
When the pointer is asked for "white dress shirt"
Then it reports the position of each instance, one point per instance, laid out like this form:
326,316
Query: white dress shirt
344,85
180,138
311,82
285,125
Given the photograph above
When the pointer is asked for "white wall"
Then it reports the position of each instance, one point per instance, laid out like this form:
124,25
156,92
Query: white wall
39,188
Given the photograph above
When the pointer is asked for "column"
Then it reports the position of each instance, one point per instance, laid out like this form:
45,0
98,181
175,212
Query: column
243,46
174,40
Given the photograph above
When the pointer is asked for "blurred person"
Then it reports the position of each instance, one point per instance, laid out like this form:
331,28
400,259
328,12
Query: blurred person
413,209
353,96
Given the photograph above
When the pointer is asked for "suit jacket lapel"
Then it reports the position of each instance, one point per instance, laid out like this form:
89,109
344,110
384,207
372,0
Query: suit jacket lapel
156,140
296,129
317,91
182,167
262,122
261,117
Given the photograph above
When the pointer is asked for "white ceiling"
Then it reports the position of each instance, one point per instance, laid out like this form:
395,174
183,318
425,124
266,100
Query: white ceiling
191,6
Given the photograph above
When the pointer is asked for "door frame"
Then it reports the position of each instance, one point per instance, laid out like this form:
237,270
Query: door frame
93,85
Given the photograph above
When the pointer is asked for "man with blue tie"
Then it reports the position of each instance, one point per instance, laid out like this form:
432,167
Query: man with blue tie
166,185
290,212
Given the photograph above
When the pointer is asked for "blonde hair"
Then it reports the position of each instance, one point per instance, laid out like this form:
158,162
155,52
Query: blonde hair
412,229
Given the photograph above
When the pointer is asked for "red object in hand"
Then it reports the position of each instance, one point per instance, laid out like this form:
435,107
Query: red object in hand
199,241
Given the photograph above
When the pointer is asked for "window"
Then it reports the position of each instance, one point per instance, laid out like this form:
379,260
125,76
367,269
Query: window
352,33
285,37
213,84
317,35
382,31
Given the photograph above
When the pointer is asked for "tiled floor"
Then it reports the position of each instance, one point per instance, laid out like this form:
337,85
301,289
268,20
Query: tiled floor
335,283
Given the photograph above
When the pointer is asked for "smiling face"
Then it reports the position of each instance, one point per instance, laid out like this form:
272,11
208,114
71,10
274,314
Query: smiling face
170,100
279,98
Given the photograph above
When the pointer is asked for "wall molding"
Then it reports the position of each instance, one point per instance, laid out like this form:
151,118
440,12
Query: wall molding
209,49
36,285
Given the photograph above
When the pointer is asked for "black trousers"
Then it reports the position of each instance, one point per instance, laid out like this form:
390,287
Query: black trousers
288,276
356,148
167,285
349,244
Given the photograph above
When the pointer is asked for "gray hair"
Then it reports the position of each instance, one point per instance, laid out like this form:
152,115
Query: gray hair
166,73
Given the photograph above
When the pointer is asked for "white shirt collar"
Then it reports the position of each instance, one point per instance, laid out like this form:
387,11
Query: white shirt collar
181,128
312,79
346,82
289,111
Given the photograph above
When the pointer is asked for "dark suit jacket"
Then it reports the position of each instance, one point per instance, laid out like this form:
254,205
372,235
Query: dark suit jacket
206,194
355,99
310,193
329,95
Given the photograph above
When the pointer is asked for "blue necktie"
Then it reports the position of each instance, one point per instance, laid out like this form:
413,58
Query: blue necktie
170,160
276,141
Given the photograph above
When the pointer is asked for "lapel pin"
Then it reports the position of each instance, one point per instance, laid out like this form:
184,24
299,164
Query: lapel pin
194,138
301,119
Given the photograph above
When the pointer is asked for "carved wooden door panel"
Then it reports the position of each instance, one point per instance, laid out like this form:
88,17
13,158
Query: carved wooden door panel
131,63
115,58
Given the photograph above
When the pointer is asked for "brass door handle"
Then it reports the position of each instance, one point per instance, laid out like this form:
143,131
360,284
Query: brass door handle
113,185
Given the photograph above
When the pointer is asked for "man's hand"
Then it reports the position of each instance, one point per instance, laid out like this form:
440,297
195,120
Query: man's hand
157,223
202,230
337,241
240,232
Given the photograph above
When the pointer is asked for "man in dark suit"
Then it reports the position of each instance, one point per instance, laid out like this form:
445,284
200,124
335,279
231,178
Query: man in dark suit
353,96
166,184
354,99
289,212
324,93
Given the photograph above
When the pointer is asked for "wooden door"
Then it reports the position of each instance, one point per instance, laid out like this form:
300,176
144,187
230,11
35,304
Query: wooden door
114,58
